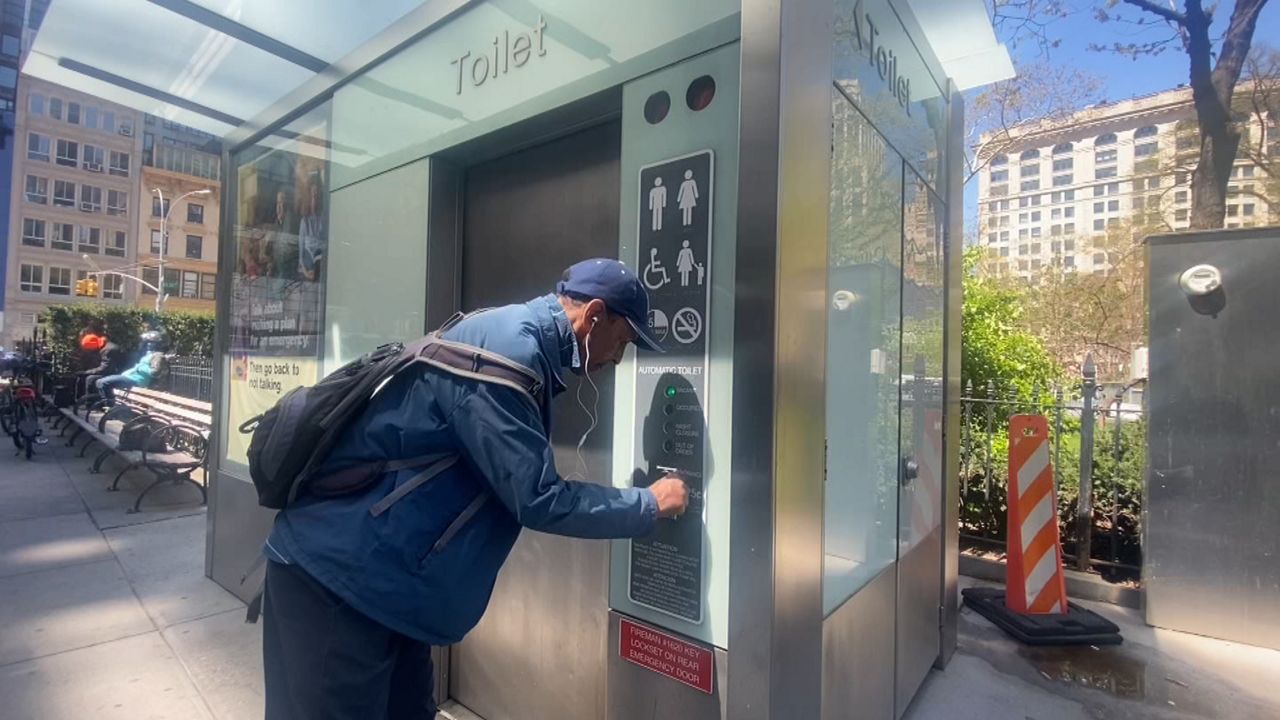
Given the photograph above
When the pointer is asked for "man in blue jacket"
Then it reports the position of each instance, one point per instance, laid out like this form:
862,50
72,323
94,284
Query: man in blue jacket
355,599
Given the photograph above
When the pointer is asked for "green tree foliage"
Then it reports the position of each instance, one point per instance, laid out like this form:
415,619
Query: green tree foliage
190,333
996,347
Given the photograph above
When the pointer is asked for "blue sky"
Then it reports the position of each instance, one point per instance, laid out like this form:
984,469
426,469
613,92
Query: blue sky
1121,76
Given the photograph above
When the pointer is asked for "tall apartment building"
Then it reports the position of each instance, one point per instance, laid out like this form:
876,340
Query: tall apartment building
1051,189
74,202
178,160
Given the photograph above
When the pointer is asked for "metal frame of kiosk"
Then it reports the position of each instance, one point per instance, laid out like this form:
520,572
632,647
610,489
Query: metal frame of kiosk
742,631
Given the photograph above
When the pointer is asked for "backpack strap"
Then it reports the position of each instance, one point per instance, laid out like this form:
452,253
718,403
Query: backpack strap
444,462
479,364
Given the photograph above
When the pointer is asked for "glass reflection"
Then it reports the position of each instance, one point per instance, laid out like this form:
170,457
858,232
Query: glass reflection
922,351
864,281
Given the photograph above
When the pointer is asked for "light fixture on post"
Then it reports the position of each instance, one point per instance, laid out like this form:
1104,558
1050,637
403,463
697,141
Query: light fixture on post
164,237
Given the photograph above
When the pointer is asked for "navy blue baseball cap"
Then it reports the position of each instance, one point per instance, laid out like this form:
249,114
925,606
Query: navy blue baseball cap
618,287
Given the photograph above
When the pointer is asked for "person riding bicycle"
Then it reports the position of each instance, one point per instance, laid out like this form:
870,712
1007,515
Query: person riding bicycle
154,344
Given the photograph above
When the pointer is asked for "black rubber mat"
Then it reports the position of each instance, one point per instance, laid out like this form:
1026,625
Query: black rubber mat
1078,627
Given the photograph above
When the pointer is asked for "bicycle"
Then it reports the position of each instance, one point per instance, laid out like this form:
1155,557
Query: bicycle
19,413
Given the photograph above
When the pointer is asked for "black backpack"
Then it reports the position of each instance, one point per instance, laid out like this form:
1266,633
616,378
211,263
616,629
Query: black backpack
292,438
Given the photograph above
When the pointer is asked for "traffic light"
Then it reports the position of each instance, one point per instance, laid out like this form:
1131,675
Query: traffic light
87,287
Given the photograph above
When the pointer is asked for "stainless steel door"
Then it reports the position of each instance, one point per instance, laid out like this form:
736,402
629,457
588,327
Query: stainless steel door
920,474
539,652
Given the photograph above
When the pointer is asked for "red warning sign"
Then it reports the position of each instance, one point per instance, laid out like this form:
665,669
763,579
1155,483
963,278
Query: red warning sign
692,665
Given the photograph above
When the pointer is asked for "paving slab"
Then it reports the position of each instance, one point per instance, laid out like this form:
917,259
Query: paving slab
52,611
36,488
223,654
164,560
111,508
49,542
135,678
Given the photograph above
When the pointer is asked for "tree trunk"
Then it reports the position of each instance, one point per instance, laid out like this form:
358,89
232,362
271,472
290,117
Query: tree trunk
1210,178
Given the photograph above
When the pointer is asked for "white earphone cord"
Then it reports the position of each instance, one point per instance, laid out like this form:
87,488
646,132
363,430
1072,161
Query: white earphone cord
581,472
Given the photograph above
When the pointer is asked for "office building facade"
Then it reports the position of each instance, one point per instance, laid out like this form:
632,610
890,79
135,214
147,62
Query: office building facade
1049,193
73,203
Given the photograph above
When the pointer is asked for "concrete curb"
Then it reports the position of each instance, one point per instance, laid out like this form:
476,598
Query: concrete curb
1080,586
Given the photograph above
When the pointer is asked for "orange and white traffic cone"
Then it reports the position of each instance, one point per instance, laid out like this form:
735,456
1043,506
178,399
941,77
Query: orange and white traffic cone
1035,583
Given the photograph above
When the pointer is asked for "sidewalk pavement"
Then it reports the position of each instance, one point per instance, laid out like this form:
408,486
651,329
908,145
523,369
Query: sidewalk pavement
108,615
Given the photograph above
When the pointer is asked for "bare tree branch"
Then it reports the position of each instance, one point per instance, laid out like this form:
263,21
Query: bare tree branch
1167,13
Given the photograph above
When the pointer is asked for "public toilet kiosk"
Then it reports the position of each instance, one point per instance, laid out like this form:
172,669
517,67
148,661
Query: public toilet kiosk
786,179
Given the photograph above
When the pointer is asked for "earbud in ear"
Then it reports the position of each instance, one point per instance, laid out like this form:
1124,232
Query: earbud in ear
595,320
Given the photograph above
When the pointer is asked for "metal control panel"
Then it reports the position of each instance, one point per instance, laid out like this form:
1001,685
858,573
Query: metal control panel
673,410
666,568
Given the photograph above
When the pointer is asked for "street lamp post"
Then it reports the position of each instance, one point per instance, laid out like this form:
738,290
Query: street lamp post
164,236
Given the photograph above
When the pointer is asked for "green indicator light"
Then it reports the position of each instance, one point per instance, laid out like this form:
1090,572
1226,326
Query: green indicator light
671,391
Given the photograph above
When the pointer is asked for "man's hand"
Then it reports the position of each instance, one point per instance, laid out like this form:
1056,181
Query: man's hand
672,495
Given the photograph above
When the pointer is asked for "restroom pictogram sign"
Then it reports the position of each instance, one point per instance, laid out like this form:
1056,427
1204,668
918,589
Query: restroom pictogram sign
684,662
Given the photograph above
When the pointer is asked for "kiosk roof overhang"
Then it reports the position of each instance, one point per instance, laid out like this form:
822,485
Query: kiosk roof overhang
224,66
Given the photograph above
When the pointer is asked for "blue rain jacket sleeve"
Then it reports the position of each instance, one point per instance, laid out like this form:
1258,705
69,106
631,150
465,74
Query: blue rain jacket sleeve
501,435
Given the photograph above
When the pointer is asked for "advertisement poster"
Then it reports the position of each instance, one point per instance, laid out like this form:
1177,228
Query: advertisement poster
277,287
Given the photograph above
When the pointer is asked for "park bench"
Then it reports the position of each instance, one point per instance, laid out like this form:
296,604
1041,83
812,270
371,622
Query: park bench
179,425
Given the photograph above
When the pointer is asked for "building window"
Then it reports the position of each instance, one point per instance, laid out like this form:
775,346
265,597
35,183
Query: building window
35,104
1105,139
1035,233
195,247
32,278
55,108
90,198
1055,230
1068,229
1069,261
1023,234
118,245
1104,156
1030,185
1233,210
1029,170
1024,202
1139,203
1146,149
991,238
1004,236
126,127
119,164
155,243
1063,149
64,237
1063,164
1100,207
1247,209
195,213
37,189
1181,178
999,176
37,147
73,115
190,284
93,159
1104,172
91,117
1068,195
1246,171
999,190
112,287
999,160
1099,224
1069,212
157,210
1180,214
1023,249
1056,214
1036,200
1113,206
64,193
1146,131
90,240
108,121
1035,216
1029,155
59,281
33,232
1004,252
68,153
117,202
1099,258
1063,180
1004,221
150,276
1022,218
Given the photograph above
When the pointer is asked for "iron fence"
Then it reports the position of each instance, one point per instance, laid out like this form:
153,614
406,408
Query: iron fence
1098,451
191,377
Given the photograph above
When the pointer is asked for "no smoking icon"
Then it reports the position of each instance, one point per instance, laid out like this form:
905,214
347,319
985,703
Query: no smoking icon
686,326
